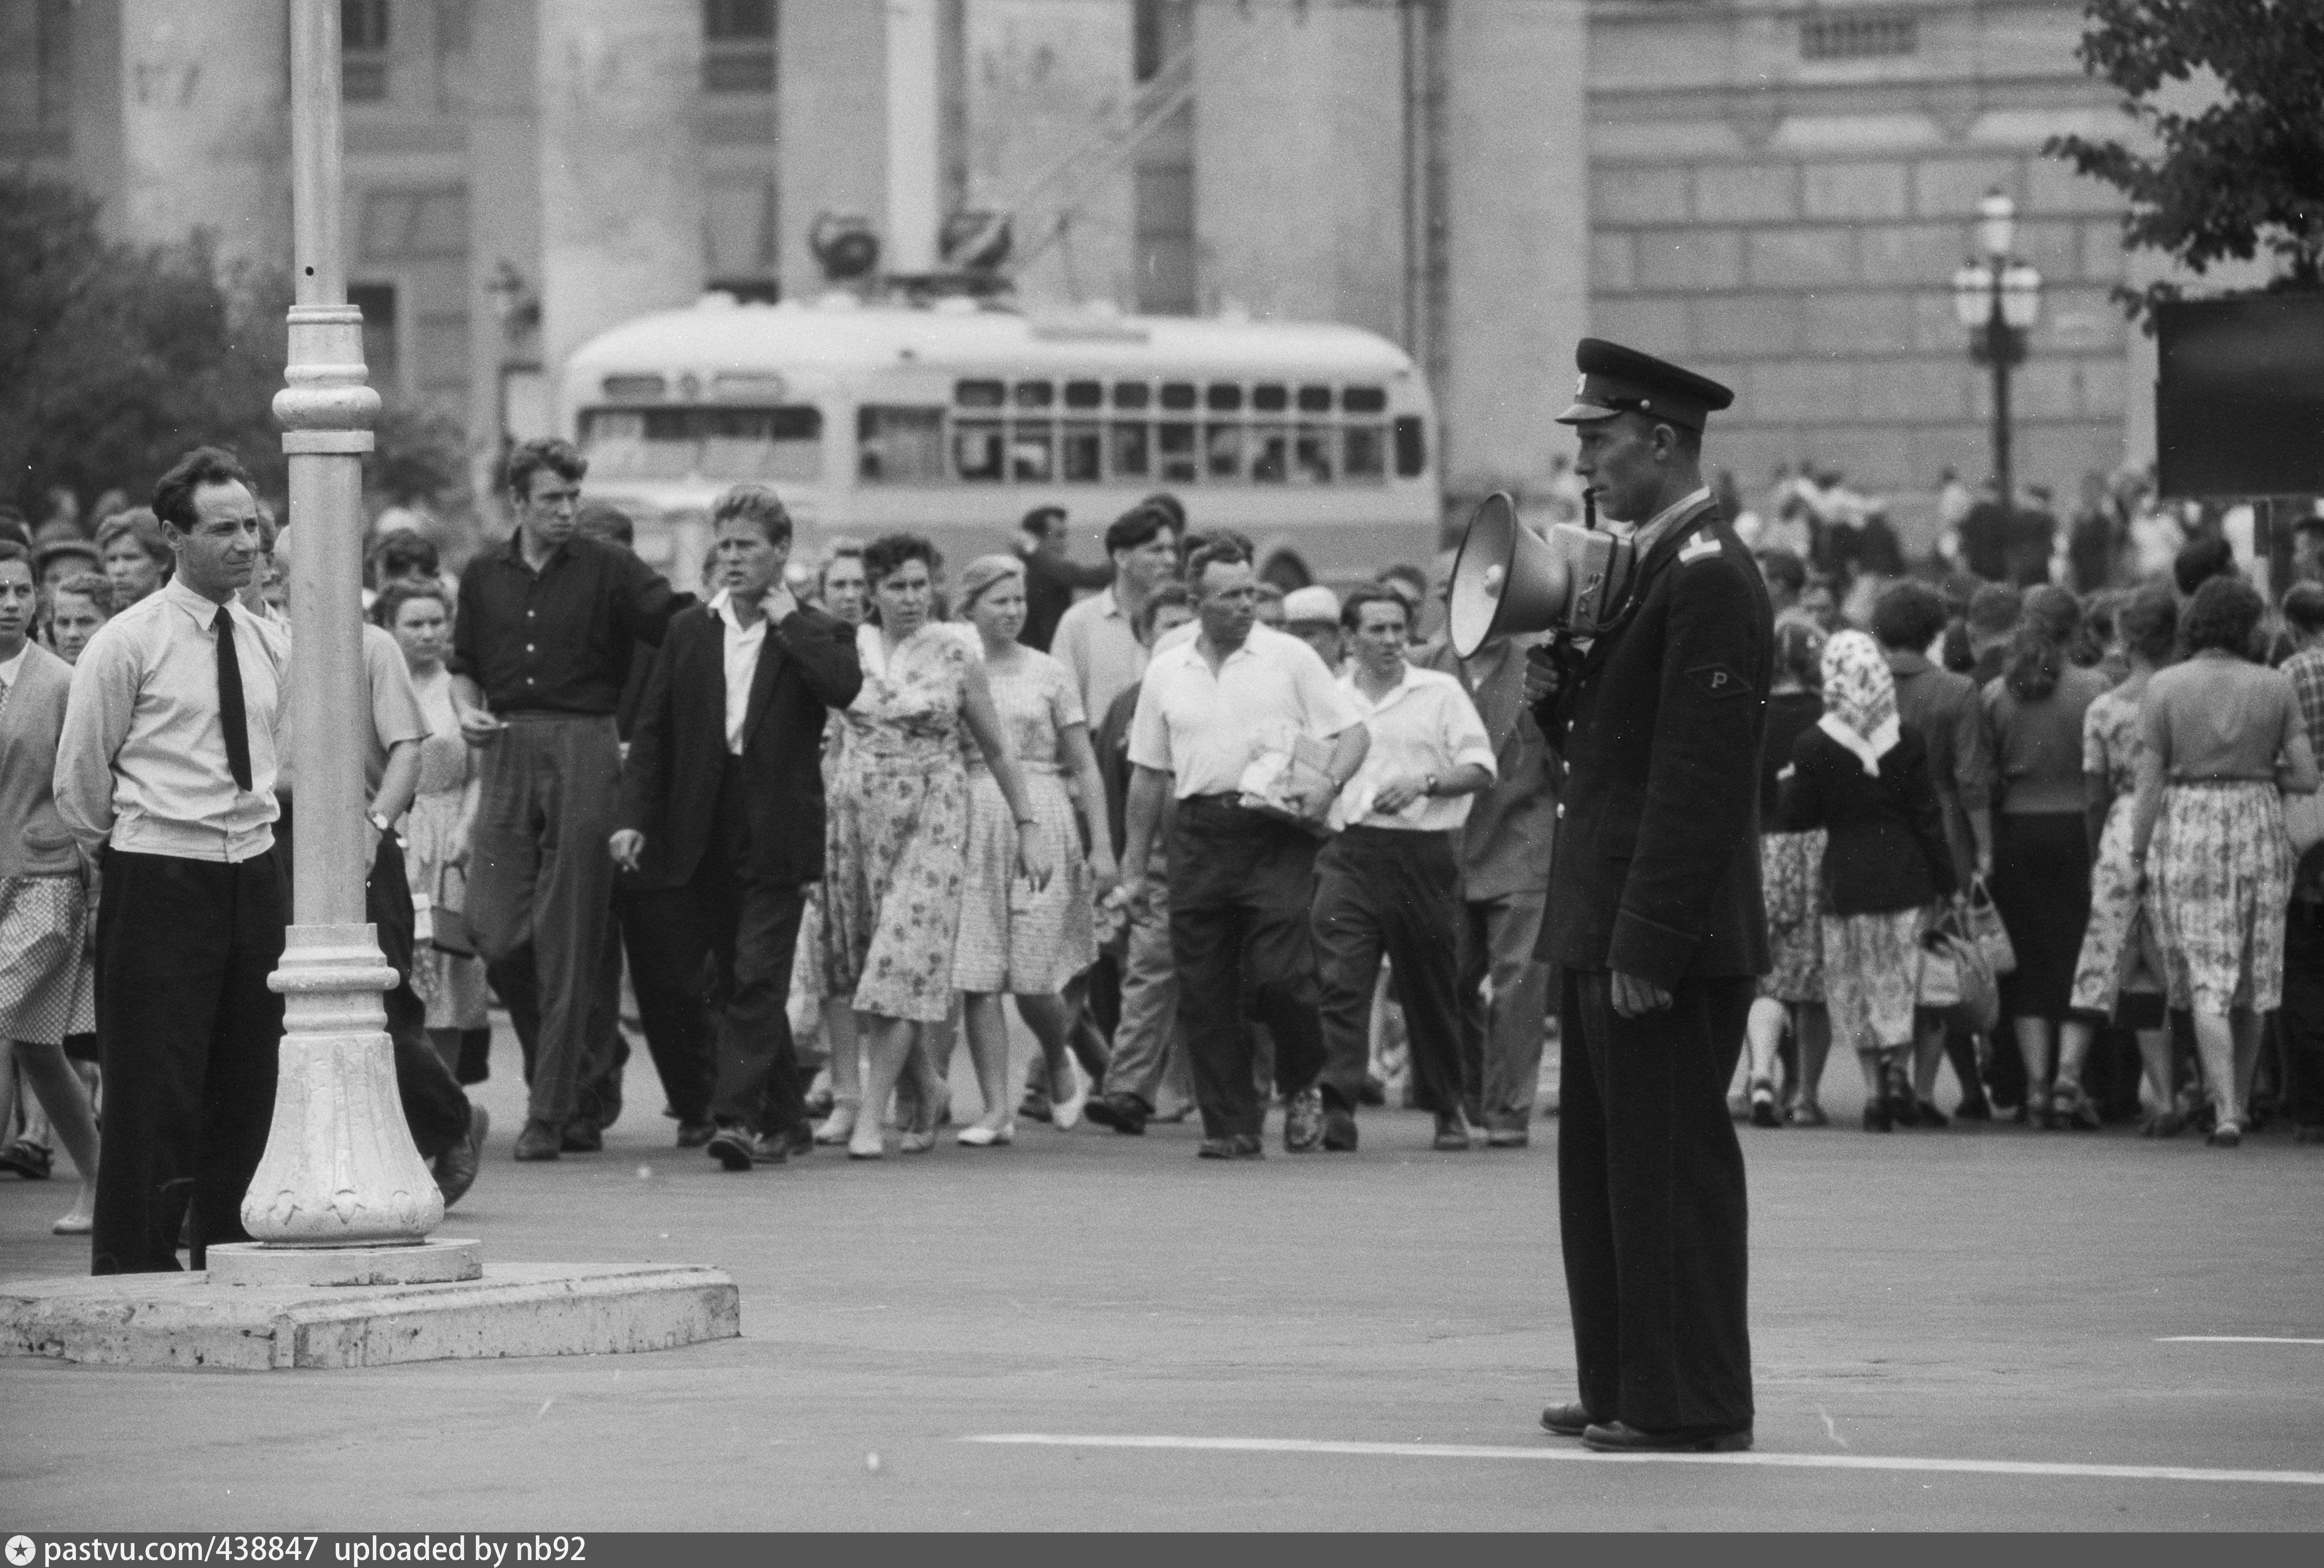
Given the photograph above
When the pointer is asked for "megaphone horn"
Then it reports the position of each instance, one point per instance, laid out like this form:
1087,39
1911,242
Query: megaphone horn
1507,579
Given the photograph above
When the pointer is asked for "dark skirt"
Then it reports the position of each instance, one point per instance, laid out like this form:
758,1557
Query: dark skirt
2042,886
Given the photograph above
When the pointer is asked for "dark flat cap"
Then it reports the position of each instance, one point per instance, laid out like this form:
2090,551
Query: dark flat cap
1617,380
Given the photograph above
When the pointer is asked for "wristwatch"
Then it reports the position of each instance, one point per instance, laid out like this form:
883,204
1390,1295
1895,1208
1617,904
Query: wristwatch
381,823
1428,785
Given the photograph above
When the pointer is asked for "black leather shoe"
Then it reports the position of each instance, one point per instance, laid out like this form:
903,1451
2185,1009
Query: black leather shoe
583,1137
695,1134
456,1167
1621,1437
1451,1133
796,1142
538,1140
1235,1146
732,1148
1123,1112
1565,1420
1338,1130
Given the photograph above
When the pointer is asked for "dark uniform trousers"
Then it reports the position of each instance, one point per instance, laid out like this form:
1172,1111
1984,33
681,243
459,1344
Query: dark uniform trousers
1395,891
746,933
190,1037
1241,886
2301,1025
1651,1204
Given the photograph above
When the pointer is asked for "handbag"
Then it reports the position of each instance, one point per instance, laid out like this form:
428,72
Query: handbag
1984,929
1956,976
449,916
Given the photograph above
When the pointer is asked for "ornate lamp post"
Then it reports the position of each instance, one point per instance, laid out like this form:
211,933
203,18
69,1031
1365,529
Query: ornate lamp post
1997,298
339,1170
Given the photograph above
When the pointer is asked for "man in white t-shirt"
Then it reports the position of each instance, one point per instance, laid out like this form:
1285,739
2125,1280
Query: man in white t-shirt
1241,880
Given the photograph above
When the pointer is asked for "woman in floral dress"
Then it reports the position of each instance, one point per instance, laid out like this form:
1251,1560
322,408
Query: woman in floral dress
1791,871
435,830
1013,940
2120,937
898,831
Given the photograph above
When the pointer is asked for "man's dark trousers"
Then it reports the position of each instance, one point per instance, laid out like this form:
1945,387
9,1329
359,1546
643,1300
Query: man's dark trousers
1385,888
673,987
748,930
1651,1204
2300,1024
190,1037
1241,885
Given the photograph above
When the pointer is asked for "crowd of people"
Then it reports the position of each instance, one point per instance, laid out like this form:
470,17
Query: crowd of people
841,815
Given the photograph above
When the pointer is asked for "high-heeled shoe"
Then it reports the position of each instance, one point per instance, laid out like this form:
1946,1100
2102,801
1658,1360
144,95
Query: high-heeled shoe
840,1126
979,1136
867,1141
916,1140
72,1225
1066,1114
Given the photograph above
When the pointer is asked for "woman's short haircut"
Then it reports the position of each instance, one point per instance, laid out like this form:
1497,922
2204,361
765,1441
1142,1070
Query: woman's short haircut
1351,608
1136,528
2303,608
839,550
140,522
2199,560
2148,624
397,594
554,452
401,551
173,492
885,554
94,587
1141,624
758,504
1909,615
2224,613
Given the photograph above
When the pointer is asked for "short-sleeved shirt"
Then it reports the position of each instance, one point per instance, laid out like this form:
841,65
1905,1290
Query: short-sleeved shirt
1099,650
2218,717
395,711
558,641
1426,724
1206,729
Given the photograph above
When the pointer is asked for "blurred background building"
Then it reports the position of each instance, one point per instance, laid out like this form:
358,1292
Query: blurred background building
1775,192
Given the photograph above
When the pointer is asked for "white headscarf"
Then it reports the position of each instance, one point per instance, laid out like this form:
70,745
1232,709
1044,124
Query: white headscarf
1860,698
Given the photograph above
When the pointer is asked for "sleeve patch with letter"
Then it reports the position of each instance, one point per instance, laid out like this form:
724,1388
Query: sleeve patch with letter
1717,681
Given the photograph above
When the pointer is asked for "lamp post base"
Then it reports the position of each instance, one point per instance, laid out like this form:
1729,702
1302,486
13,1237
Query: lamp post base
435,1261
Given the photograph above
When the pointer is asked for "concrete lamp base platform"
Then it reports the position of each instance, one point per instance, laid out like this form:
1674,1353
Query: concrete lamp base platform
540,1309
434,1262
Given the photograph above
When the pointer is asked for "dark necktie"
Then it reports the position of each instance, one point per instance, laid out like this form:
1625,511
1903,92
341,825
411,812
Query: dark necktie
232,716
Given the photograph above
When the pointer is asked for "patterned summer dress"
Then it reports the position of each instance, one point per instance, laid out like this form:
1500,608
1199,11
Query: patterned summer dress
435,832
1013,938
2110,751
898,829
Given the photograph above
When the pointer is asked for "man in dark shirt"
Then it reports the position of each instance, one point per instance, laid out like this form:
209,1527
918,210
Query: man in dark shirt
546,626
1985,536
1051,579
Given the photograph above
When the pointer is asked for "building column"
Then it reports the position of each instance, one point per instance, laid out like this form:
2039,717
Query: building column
206,126
1517,239
831,140
1048,91
1299,156
620,85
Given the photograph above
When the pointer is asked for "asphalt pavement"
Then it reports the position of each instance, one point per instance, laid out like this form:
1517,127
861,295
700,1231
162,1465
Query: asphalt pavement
1981,1329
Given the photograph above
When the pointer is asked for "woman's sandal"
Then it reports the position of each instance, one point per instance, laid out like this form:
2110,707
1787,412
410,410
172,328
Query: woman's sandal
2070,1108
1763,1103
2225,1135
1807,1114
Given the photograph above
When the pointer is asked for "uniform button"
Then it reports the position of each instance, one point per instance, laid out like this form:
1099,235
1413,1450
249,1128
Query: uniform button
528,648
1561,814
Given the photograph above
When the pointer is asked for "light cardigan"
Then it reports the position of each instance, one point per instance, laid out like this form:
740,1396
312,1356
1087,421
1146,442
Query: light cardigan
33,839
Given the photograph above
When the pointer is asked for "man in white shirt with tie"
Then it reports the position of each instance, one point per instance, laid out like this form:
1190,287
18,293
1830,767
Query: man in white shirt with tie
166,769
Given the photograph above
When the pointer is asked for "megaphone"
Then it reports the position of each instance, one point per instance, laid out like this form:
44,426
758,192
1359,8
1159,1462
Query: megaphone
1508,579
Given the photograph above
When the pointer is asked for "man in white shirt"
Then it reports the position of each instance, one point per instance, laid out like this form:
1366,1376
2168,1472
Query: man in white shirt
166,769
1241,880
1095,639
1390,882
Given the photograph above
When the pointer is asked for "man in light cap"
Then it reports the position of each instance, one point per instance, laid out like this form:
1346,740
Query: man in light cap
1312,614
1656,921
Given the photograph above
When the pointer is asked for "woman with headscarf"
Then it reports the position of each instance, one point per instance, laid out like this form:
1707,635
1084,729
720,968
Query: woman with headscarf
898,829
1864,779
1014,938
1791,872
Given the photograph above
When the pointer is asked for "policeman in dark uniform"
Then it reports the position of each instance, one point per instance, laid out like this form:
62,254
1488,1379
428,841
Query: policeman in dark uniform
1656,921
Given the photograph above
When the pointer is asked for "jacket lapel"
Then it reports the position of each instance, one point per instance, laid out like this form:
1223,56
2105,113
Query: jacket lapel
762,682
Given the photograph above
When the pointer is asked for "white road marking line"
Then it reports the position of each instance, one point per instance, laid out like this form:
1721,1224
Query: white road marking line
2231,1340
1772,1460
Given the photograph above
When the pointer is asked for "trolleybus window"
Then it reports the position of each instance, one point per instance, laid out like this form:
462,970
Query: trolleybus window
1085,394
719,443
1130,394
899,446
978,394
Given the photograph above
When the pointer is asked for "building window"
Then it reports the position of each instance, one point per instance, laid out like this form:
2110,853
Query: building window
738,37
362,45
1858,36
377,304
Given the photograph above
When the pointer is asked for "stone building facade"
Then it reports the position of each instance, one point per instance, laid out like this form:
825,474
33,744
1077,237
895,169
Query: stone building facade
1775,191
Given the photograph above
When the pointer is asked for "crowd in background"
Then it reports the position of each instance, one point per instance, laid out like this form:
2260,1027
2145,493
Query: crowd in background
2093,728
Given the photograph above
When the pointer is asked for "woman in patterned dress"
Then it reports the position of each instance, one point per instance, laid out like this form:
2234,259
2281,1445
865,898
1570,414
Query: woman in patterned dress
897,828
1864,777
436,829
2223,736
1790,866
2121,927
45,991
1013,940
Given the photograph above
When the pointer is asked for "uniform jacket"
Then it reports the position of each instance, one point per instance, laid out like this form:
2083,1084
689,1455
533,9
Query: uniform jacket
678,748
1656,869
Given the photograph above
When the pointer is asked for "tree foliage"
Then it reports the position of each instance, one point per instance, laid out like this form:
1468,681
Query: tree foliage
2230,96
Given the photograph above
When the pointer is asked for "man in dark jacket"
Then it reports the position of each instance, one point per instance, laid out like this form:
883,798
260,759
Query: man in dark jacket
725,781
1655,915
1051,577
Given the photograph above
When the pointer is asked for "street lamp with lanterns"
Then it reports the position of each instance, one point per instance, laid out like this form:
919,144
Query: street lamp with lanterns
1998,296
